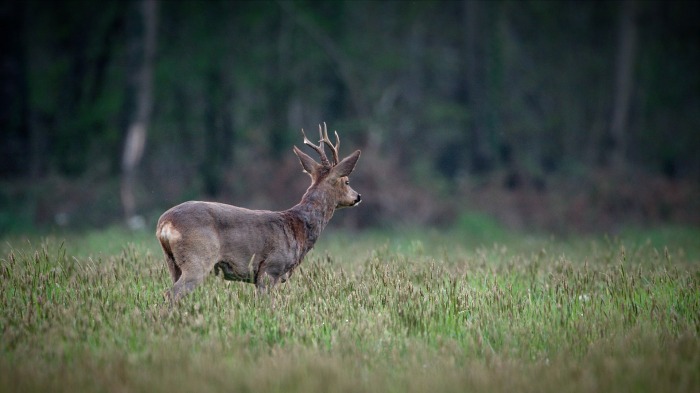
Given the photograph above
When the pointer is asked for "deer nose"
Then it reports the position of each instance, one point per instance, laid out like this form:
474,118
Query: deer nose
359,198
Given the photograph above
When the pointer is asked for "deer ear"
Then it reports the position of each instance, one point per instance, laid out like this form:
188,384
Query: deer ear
309,164
345,167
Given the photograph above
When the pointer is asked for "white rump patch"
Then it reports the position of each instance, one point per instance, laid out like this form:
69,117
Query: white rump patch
169,233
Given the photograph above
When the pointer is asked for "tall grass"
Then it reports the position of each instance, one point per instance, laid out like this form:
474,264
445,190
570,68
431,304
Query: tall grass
415,311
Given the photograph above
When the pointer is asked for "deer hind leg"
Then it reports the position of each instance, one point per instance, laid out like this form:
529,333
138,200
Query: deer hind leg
193,268
175,271
163,237
187,282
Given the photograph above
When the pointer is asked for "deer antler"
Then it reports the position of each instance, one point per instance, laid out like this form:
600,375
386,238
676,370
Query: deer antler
324,139
318,148
323,133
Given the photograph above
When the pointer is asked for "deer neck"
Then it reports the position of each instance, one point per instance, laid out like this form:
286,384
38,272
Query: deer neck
313,212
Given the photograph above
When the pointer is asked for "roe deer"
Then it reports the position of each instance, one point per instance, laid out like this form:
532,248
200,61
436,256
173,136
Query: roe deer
259,246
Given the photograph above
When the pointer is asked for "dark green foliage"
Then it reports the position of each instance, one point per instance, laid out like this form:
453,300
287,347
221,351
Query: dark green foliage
446,90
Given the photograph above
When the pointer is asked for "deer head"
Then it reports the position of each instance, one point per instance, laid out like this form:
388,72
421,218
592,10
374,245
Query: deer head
330,178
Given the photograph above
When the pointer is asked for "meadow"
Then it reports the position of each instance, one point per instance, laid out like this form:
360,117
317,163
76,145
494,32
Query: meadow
475,308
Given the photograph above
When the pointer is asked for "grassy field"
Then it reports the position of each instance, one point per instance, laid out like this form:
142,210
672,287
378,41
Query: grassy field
473,309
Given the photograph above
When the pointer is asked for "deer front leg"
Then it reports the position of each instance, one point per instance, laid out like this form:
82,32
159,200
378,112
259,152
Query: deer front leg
263,278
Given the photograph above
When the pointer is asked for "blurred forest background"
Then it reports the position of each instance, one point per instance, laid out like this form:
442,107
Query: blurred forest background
545,115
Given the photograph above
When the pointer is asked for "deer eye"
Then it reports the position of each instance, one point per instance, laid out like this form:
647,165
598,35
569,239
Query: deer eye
347,182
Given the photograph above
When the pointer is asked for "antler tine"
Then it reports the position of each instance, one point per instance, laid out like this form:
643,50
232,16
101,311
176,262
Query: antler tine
327,141
320,134
318,148
336,148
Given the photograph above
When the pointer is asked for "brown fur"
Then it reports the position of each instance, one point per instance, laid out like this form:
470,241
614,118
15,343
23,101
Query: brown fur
258,246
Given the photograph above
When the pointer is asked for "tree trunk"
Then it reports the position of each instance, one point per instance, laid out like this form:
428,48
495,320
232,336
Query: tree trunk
143,86
624,79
